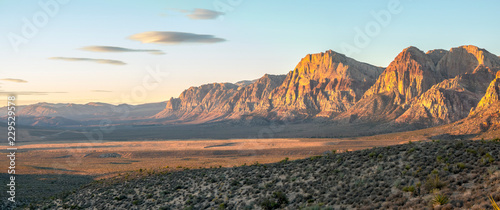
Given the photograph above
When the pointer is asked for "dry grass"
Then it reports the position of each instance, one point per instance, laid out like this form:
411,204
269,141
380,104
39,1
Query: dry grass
83,158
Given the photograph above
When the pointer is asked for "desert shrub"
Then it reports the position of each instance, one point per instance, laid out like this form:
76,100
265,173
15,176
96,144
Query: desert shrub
315,157
409,189
222,206
277,200
487,158
471,151
440,199
433,182
119,198
461,165
439,159
459,145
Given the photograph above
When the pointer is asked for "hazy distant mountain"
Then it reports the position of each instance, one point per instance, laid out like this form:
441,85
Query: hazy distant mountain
48,114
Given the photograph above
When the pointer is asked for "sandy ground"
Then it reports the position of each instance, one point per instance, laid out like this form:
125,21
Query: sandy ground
92,158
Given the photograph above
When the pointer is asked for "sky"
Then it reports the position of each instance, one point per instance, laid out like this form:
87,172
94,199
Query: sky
135,52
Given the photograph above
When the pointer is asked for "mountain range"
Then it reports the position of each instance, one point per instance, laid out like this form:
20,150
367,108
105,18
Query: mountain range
417,90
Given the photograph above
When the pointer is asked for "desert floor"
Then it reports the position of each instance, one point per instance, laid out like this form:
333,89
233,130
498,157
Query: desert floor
104,159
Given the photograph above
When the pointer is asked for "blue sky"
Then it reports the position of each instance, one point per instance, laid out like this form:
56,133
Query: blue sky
259,37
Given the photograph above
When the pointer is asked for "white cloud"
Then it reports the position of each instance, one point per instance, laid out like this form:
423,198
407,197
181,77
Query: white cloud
204,14
169,37
119,49
14,80
102,61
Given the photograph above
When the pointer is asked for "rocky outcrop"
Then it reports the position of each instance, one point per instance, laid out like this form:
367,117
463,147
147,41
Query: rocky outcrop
410,74
484,120
322,85
492,95
448,101
407,77
222,101
203,103
437,55
253,99
465,59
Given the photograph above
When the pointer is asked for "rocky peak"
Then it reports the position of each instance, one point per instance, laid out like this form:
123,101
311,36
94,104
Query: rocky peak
198,102
254,98
325,83
410,74
492,93
465,59
436,55
448,101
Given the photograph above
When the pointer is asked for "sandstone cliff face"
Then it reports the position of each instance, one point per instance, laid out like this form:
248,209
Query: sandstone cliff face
417,88
465,59
410,74
448,101
254,98
492,95
201,103
485,118
437,55
322,85
407,77
222,101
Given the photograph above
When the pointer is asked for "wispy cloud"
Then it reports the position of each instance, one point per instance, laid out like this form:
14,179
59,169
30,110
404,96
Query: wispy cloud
170,37
120,49
101,91
14,80
204,14
26,93
102,61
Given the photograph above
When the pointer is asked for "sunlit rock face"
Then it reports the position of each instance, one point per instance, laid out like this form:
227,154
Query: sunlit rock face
465,59
407,77
323,85
450,100
492,95
417,88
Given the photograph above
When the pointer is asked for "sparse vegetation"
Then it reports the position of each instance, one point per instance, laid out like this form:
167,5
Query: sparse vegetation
277,200
440,199
494,204
445,174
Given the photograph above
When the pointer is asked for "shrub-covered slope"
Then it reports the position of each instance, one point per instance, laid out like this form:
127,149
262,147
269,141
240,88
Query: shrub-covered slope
447,174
